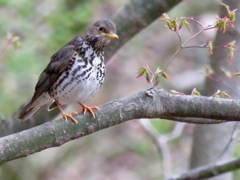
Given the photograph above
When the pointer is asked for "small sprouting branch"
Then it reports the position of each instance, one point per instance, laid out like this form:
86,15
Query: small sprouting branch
173,24
152,78
226,22
217,94
221,24
221,94
161,141
10,40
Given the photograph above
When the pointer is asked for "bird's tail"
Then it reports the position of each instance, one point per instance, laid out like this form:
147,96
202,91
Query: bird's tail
27,111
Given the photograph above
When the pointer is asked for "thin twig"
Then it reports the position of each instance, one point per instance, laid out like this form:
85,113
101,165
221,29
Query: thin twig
161,142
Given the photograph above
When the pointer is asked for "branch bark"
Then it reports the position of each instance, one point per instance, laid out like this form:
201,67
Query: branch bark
130,20
151,103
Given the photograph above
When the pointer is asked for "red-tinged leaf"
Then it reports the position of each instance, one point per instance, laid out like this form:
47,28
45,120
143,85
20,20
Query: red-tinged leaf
165,75
231,45
17,45
226,94
156,81
231,48
230,14
168,21
230,56
176,92
148,78
222,25
157,71
13,40
221,94
169,24
185,22
156,78
9,36
141,71
149,69
226,6
216,93
227,73
236,74
175,24
210,47
164,17
194,89
233,15
181,24
208,71
195,92
226,21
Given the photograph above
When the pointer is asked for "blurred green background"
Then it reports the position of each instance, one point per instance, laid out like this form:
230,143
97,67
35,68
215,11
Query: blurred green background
122,152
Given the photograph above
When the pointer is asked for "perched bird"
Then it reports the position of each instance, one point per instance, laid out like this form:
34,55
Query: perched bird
74,73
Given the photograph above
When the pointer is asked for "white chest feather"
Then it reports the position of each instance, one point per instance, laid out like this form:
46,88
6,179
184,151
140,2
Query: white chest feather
83,79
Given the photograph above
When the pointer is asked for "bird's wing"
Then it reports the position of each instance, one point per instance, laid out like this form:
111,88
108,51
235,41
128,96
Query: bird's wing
59,62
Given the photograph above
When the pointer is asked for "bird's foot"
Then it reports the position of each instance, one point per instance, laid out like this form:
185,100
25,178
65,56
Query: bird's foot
70,116
90,109
65,115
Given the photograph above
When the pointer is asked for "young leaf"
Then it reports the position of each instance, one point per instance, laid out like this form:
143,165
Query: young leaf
210,47
165,75
148,78
185,22
195,92
176,92
221,94
236,74
141,71
226,72
231,48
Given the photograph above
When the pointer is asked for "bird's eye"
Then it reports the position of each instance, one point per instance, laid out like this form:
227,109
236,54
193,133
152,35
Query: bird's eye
101,29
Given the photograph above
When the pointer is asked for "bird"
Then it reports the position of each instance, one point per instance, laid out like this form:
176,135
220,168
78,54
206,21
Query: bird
75,72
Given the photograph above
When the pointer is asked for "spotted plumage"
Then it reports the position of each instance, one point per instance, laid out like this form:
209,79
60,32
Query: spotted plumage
75,72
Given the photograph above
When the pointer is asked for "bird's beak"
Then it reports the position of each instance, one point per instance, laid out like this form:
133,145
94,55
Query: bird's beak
110,35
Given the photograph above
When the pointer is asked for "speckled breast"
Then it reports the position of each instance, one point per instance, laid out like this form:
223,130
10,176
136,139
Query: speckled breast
82,80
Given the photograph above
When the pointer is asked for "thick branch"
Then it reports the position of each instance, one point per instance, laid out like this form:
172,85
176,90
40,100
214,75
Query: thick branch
153,103
134,16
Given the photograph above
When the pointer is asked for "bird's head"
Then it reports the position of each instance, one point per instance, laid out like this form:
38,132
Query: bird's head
101,32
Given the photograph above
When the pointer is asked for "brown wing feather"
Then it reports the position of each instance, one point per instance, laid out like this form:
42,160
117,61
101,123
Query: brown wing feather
59,62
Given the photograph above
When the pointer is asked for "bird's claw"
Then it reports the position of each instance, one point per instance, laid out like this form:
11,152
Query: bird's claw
70,116
89,109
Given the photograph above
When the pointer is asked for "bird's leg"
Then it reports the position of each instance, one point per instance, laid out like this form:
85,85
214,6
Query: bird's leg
65,115
87,108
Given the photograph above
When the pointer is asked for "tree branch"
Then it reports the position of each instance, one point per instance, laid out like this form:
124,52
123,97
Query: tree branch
152,103
133,17
209,170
